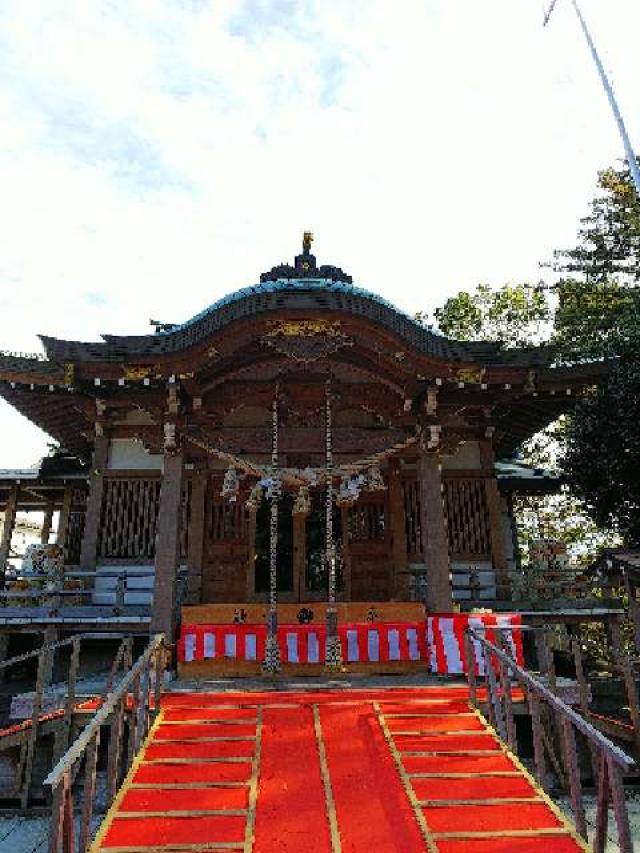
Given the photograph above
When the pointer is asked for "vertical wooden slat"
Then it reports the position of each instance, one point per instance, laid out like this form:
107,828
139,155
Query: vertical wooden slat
90,540
47,521
159,678
632,698
602,806
195,545
471,668
538,744
64,517
616,786
7,530
494,700
68,833
434,533
132,746
115,752
168,542
505,683
56,820
398,537
74,666
89,792
30,746
573,774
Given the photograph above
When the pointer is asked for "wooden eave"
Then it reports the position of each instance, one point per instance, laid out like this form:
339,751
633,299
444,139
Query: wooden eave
516,392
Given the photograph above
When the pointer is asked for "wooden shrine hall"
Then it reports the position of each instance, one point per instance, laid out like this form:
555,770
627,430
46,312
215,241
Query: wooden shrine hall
299,442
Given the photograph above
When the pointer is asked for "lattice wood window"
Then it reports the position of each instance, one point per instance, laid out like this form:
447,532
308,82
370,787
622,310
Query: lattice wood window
75,527
411,497
129,515
225,521
73,541
468,517
367,522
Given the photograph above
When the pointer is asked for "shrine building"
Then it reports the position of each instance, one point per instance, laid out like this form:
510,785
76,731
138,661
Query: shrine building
381,444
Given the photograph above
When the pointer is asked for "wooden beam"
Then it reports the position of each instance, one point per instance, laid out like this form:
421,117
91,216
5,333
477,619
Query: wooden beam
46,524
195,554
434,532
496,527
89,549
168,546
396,523
7,530
64,516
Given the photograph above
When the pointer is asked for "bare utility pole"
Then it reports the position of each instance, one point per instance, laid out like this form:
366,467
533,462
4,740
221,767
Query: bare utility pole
631,157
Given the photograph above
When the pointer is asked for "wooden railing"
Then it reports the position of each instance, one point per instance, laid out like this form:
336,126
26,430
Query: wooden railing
27,736
137,694
502,672
56,592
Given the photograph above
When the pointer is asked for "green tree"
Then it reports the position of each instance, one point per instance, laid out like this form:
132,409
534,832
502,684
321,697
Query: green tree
602,457
518,316
515,315
598,317
608,244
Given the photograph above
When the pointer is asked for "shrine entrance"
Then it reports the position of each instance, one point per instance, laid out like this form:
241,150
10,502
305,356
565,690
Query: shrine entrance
302,573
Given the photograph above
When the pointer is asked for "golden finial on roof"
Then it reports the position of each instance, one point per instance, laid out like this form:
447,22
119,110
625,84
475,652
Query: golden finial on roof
307,240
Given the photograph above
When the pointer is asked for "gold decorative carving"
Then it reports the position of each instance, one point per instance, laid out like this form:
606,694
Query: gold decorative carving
137,371
470,374
69,373
303,328
305,340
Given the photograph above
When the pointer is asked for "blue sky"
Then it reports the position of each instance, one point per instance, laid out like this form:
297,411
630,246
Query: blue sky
157,154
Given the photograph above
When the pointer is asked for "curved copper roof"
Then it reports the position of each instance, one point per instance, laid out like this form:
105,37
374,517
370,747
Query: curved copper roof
307,294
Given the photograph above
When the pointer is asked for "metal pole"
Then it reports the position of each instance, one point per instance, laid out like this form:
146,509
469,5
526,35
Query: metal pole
630,153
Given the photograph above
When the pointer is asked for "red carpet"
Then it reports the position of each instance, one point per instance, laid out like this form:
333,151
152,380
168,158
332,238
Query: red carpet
358,771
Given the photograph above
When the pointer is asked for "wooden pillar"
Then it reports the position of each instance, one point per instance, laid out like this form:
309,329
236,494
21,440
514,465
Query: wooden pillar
65,515
167,546
398,534
496,527
195,554
7,529
435,540
46,524
89,549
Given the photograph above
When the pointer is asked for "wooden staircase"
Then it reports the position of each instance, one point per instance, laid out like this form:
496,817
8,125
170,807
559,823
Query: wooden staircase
348,770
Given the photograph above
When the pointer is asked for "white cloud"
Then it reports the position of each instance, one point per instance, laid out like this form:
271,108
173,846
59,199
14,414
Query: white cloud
156,155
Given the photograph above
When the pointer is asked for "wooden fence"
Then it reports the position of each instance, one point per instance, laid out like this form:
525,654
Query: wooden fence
610,762
137,695
58,722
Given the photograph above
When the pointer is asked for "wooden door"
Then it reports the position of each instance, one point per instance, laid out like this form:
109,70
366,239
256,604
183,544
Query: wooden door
226,547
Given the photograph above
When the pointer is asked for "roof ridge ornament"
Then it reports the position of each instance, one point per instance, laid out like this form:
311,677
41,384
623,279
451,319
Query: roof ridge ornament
305,267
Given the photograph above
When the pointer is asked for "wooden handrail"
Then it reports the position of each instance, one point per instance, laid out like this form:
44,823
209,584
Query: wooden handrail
49,647
610,763
621,758
76,750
